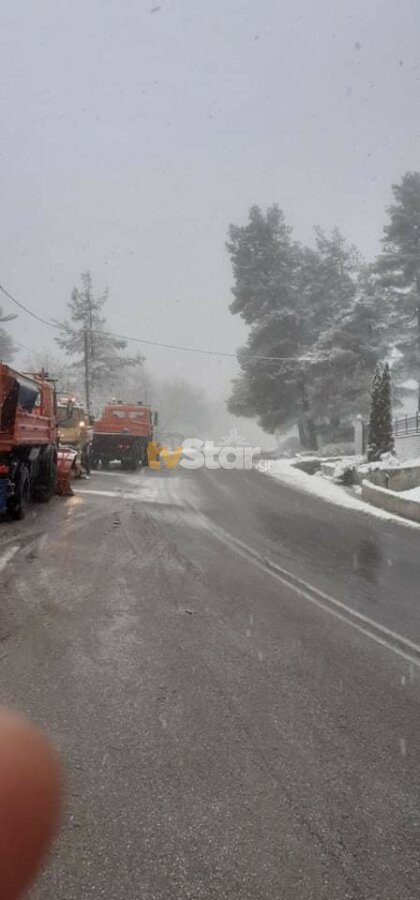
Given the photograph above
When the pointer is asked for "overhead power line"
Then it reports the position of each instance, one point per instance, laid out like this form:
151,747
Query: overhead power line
200,350
161,344
27,310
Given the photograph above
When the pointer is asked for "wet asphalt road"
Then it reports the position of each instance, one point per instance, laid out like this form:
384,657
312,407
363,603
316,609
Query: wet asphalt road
225,734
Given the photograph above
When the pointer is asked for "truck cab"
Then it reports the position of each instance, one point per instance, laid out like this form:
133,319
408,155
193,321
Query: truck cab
75,429
122,433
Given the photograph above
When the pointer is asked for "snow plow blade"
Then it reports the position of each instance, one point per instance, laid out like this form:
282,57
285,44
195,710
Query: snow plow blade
68,468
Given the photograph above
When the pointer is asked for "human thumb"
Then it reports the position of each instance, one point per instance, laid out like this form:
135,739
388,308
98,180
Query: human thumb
30,794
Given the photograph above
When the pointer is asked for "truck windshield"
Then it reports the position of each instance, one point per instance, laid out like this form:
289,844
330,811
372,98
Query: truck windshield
71,419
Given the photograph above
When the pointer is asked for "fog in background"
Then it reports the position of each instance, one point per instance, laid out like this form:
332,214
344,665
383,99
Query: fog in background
133,133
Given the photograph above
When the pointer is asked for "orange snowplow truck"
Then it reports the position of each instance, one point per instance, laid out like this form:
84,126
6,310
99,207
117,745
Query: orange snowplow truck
28,440
123,433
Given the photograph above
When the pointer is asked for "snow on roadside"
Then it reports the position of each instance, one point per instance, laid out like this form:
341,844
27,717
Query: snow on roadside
318,486
388,462
412,494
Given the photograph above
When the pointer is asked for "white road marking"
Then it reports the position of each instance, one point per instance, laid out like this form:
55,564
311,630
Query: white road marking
392,640
121,494
147,494
8,556
381,635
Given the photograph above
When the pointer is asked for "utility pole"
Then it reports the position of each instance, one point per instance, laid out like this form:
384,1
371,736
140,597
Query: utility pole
87,373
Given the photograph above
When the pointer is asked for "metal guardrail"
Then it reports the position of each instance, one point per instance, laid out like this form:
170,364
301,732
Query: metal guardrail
407,425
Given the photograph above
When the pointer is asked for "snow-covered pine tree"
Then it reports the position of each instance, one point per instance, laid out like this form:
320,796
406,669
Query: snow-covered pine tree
374,448
267,294
96,352
399,269
347,340
313,317
385,433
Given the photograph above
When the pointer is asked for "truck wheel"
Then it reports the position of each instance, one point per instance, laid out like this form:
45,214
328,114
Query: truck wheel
145,458
134,458
46,482
87,459
20,501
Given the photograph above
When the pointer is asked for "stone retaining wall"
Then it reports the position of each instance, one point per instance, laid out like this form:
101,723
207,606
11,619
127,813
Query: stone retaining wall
395,479
391,501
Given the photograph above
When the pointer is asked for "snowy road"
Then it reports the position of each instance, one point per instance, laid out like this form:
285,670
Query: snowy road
231,669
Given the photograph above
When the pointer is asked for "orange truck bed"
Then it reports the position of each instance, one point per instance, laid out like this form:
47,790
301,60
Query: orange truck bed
123,433
28,440
125,418
27,415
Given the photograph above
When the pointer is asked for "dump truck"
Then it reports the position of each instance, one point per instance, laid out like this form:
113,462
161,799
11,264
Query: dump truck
75,430
28,440
122,433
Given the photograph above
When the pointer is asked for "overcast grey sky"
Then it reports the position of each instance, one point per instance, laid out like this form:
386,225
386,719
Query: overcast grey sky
133,132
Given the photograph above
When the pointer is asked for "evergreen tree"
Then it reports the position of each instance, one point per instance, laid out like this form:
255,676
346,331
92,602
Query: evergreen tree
346,353
313,308
381,439
266,264
331,281
99,362
342,349
399,270
386,437
374,448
